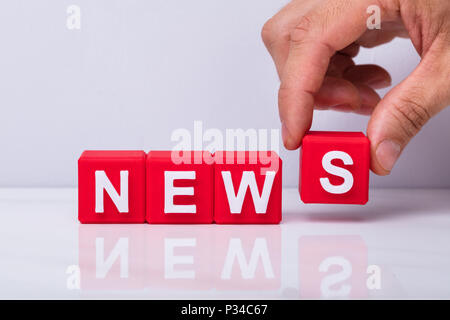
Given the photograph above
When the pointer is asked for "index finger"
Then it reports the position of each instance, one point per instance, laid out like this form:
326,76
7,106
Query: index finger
328,28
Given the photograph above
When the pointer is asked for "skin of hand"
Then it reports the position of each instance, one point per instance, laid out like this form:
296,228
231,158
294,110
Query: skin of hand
312,43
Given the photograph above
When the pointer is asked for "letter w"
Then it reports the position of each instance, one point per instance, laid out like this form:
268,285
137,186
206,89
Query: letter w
248,181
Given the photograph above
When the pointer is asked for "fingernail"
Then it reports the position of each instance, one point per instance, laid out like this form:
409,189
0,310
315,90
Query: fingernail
387,154
342,108
379,83
284,134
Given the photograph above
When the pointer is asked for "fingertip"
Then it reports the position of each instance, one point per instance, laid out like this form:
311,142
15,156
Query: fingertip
374,135
369,74
290,142
377,169
380,83
385,147
337,92
387,153
369,99
296,112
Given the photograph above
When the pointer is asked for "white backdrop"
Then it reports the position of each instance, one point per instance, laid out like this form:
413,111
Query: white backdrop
137,70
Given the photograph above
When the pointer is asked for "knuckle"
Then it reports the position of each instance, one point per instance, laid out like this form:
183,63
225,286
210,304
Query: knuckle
301,30
274,31
268,31
412,114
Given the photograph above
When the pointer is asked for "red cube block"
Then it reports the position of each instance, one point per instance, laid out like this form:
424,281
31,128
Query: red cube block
111,187
247,187
334,168
180,187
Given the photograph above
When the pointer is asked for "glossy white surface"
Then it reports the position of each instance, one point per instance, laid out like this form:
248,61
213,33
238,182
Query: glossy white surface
404,233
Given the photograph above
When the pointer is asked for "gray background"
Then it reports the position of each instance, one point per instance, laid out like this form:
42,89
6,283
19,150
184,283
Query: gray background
137,70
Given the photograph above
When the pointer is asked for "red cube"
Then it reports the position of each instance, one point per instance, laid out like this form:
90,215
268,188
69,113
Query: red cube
180,187
247,187
334,168
111,187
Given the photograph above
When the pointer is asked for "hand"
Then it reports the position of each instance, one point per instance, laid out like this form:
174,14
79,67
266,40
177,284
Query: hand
312,43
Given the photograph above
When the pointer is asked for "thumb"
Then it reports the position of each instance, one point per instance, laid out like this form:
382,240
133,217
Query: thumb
402,113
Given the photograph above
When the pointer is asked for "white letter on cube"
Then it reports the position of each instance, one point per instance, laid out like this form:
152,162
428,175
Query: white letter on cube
337,171
170,191
103,183
248,181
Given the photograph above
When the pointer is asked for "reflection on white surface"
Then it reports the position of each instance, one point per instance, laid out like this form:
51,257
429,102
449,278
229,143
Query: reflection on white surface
398,246
180,257
223,258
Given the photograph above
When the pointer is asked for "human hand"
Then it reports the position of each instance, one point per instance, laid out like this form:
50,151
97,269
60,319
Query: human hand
312,43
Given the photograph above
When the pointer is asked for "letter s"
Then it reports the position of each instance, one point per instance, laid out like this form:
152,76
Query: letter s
337,171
